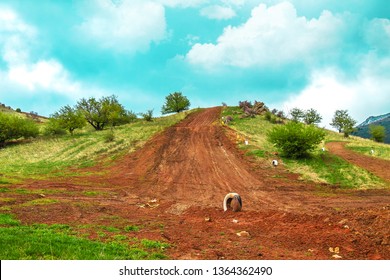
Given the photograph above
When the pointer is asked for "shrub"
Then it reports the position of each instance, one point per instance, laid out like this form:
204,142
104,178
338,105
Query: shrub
378,133
53,128
148,116
295,139
245,104
13,127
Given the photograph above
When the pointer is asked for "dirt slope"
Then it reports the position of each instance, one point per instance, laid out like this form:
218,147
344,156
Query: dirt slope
377,166
173,188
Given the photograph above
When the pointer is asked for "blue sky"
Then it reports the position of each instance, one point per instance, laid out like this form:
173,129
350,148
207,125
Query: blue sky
326,55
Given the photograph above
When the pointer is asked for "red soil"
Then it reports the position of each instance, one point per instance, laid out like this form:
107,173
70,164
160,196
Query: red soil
173,188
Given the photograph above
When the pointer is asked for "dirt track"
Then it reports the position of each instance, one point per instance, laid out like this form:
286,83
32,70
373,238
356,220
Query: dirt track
174,186
379,167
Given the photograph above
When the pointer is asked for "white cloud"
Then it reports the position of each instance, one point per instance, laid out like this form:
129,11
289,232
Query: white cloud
328,91
26,75
44,75
377,34
217,12
128,26
272,36
181,3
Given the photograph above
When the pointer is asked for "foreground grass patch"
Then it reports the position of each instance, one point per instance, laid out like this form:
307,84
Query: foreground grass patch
331,169
58,242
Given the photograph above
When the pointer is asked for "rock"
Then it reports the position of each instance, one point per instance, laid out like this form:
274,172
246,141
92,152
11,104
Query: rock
336,256
235,221
334,250
343,222
243,233
207,219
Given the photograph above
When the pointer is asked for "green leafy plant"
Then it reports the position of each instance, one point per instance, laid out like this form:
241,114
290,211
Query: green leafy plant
14,127
378,133
295,139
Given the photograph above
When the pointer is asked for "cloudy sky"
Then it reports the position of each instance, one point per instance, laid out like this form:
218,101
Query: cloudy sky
323,54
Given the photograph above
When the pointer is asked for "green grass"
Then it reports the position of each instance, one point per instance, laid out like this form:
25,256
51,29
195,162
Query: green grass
364,147
328,168
53,156
320,167
60,242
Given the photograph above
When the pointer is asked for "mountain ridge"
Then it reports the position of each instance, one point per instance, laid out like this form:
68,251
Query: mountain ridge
362,130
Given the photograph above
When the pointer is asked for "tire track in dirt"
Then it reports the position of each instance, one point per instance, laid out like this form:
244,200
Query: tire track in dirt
193,163
379,167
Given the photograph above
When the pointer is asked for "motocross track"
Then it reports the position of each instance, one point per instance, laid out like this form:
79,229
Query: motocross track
173,188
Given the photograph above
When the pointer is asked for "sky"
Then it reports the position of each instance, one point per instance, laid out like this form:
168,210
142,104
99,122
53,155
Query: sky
323,54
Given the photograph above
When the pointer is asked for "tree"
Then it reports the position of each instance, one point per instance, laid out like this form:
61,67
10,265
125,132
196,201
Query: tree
343,122
297,114
69,118
14,127
175,103
311,116
99,113
378,132
295,139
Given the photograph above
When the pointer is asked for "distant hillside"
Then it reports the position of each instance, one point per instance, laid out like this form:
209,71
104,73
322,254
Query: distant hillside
363,128
32,115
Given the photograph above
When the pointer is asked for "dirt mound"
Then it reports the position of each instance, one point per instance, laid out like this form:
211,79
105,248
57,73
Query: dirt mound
173,188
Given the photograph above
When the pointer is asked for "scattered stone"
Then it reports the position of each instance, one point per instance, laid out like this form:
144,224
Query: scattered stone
207,219
235,221
243,233
326,220
336,256
334,250
343,222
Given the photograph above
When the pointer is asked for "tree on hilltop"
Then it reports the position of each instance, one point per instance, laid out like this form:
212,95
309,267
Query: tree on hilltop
296,114
343,122
175,103
106,110
311,116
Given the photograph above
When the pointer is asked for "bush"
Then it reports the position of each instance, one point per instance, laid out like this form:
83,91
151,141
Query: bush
245,104
13,127
378,133
53,128
295,139
148,116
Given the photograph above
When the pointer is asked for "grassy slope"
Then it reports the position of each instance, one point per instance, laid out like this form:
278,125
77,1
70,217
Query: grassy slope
46,157
322,167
